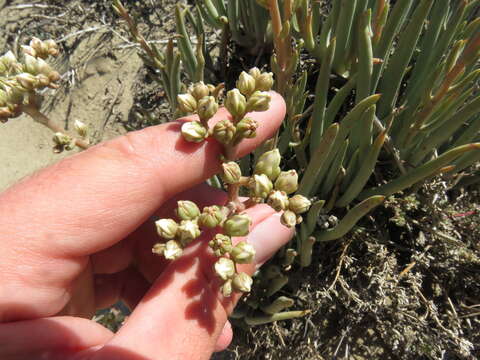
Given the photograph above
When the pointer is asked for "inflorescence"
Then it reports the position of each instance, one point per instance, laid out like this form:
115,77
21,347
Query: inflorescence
268,183
22,78
19,78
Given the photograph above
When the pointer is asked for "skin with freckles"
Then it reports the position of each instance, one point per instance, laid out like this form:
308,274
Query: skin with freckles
77,236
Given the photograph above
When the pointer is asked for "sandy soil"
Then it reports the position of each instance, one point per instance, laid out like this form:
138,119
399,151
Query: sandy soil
98,79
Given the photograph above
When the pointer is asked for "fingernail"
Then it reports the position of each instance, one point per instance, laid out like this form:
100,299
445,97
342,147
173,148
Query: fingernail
267,237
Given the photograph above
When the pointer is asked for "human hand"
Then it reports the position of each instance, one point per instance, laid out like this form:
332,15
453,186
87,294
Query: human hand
77,236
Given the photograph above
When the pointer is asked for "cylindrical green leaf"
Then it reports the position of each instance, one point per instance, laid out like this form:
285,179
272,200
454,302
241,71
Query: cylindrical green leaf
332,174
420,173
397,67
287,315
437,137
350,220
186,51
467,160
428,44
338,100
366,169
318,159
343,34
469,134
365,57
321,93
382,50
346,126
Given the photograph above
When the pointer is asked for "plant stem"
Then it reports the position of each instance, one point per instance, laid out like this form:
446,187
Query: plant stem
234,203
36,115
280,42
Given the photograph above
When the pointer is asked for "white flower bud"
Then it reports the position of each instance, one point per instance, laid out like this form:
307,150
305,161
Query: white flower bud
62,140
44,68
207,107
246,84
27,81
242,282
231,172
53,76
187,103
221,244
199,90
52,47
29,50
264,82
8,59
224,131
36,44
269,164
289,219
14,94
227,288
260,186
194,131
299,204
255,73
173,250
43,80
224,268
187,210
81,128
166,228
237,225
287,181
235,103
43,49
211,216
188,231
247,128
243,253
259,101
158,248
31,65
278,200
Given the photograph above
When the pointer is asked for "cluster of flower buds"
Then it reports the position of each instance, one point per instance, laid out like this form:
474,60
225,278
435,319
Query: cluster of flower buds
41,49
272,185
251,94
22,77
65,142
189,226
201,99
268,183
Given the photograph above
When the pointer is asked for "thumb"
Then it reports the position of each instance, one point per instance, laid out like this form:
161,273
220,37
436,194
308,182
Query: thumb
183,314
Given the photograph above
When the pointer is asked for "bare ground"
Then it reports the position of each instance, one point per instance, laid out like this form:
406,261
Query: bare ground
102,77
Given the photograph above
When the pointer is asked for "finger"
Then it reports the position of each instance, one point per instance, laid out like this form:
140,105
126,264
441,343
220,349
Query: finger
265,238
91,201
81,293
119,256
225,337
131,286
99,196
191,327
49,338
149,264
113,259
128,285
